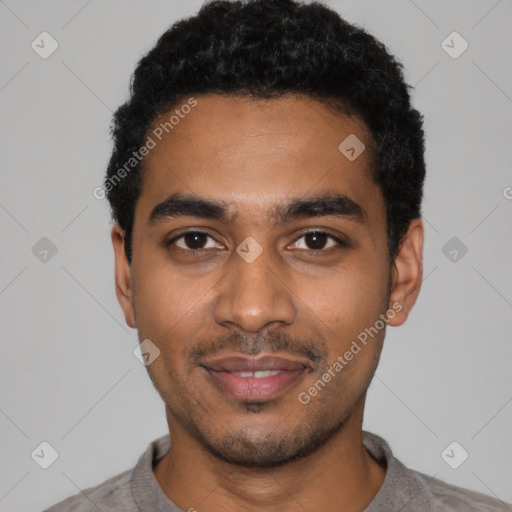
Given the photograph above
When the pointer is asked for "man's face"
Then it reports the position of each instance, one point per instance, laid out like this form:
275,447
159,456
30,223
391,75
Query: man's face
244,333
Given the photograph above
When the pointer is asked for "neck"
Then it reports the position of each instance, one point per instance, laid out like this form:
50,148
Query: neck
340,475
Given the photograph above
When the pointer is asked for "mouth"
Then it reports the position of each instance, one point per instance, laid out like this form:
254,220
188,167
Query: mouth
252,379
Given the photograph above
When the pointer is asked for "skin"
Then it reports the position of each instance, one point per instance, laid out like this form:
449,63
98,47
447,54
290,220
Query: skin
254,155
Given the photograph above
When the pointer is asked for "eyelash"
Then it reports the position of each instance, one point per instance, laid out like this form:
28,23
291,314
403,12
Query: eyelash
340,243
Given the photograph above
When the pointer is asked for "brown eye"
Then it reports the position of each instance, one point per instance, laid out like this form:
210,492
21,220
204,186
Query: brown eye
194,241
317,241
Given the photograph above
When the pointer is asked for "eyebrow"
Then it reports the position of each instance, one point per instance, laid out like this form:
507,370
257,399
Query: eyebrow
180,205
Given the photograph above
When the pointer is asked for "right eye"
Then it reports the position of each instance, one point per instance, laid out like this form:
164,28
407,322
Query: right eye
194,241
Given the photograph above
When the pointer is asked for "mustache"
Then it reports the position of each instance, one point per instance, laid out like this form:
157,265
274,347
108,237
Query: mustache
254,345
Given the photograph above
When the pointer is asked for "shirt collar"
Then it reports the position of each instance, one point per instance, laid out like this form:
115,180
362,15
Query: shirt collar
401,491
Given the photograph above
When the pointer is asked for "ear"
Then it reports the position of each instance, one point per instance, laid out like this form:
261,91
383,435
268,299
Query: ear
124,287
407,273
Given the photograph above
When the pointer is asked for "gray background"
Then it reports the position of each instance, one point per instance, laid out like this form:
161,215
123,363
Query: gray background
68,375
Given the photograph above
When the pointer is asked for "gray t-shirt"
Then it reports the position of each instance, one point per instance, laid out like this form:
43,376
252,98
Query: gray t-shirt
404,490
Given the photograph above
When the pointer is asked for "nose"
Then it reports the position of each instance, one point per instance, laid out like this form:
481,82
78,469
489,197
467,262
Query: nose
252,296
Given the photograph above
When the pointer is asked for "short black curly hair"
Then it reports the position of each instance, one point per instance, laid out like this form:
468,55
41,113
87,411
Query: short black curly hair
265,49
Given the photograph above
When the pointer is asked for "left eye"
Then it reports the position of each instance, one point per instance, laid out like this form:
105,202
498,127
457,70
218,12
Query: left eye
317,240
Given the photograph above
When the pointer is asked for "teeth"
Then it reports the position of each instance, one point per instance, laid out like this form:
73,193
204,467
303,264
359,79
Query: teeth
260,374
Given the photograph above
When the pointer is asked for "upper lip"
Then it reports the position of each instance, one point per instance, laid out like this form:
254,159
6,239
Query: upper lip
247,364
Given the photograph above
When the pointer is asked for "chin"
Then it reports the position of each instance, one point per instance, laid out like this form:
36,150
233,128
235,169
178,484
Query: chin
269,449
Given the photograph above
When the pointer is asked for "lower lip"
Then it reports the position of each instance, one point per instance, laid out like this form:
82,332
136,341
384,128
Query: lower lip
252,389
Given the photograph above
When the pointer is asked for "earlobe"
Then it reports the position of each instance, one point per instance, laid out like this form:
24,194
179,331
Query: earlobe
407,273
123,281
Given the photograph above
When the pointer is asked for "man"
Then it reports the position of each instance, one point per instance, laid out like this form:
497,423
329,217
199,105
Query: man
266,181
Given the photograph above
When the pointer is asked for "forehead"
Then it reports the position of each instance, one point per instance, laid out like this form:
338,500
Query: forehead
257,153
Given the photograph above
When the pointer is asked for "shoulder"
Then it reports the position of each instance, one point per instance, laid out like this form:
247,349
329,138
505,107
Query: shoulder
113,494
445,497
119,492
408,490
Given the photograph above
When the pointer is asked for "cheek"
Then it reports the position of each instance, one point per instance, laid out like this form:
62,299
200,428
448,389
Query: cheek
351,304
352,297
168,303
